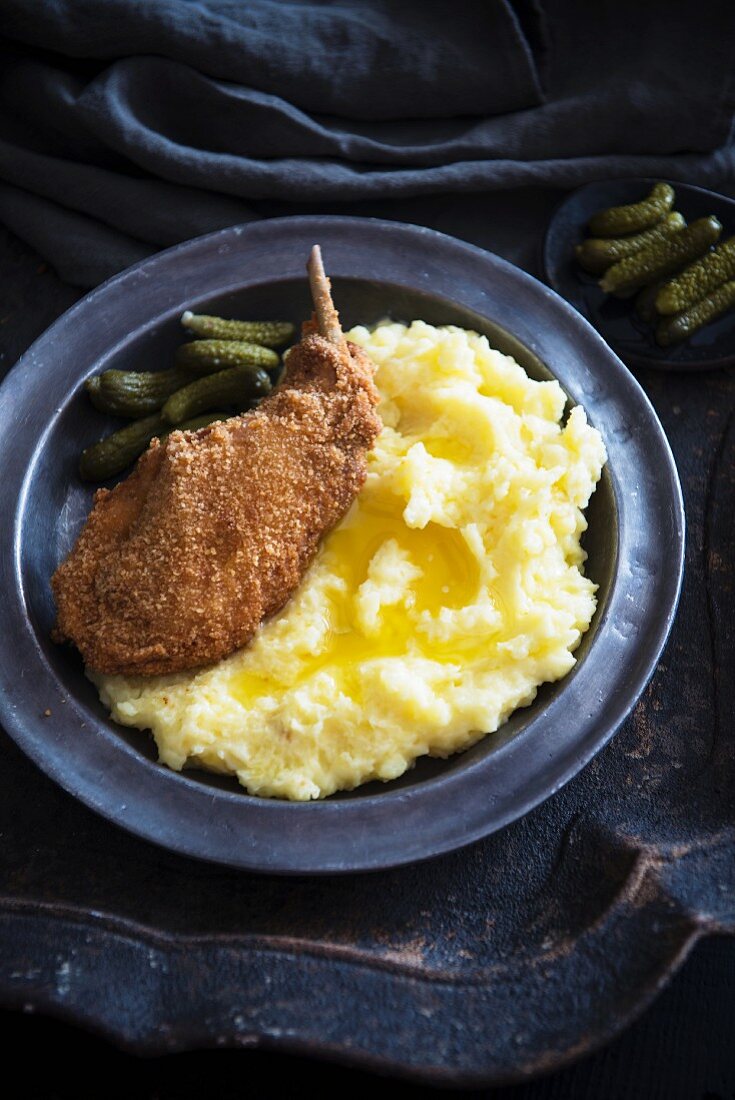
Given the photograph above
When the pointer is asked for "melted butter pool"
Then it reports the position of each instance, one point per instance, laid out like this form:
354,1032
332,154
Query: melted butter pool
448,577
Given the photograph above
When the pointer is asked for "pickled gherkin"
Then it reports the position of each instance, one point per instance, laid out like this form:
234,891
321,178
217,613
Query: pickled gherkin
672,330
270,334
208,355
237,385
596,254
111,455
660,260
697,280
618,220
135,393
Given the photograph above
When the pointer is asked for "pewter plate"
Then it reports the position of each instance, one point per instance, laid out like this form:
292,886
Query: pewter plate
379,269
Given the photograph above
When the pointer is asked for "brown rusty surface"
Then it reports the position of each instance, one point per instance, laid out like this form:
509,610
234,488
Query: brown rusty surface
490,964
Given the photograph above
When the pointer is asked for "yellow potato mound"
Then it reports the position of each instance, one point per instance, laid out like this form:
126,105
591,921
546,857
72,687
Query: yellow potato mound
450,591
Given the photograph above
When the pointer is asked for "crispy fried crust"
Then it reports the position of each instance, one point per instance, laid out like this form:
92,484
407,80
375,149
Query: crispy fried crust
178,565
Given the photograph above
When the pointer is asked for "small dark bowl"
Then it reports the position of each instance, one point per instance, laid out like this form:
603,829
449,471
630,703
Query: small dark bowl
615,318
634,542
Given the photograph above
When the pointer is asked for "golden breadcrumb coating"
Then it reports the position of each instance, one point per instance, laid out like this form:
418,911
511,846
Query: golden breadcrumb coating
177,566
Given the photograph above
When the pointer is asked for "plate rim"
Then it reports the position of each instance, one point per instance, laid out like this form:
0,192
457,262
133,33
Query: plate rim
31,730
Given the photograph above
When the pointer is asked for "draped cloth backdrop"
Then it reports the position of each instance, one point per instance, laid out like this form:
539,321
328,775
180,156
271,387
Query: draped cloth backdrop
129,125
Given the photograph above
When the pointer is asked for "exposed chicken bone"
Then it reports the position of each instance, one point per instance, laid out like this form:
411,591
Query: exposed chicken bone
326,315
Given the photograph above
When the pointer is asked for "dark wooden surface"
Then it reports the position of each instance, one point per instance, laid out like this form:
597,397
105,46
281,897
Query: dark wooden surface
681,1049
664,788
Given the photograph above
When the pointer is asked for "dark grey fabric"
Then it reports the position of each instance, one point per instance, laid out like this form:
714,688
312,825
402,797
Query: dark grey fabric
357,59
138,123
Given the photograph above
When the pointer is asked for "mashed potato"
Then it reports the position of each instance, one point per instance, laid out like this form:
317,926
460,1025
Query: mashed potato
450,591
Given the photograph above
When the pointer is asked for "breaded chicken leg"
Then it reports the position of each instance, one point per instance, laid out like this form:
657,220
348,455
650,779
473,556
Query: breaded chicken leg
178,565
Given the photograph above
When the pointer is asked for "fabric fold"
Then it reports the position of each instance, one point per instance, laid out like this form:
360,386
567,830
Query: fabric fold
147,209
82,251
364,59
162,121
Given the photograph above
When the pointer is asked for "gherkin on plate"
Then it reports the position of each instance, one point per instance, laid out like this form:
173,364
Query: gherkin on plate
661,259
236,385
672,330
697,280
618,220
596,254
270,334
